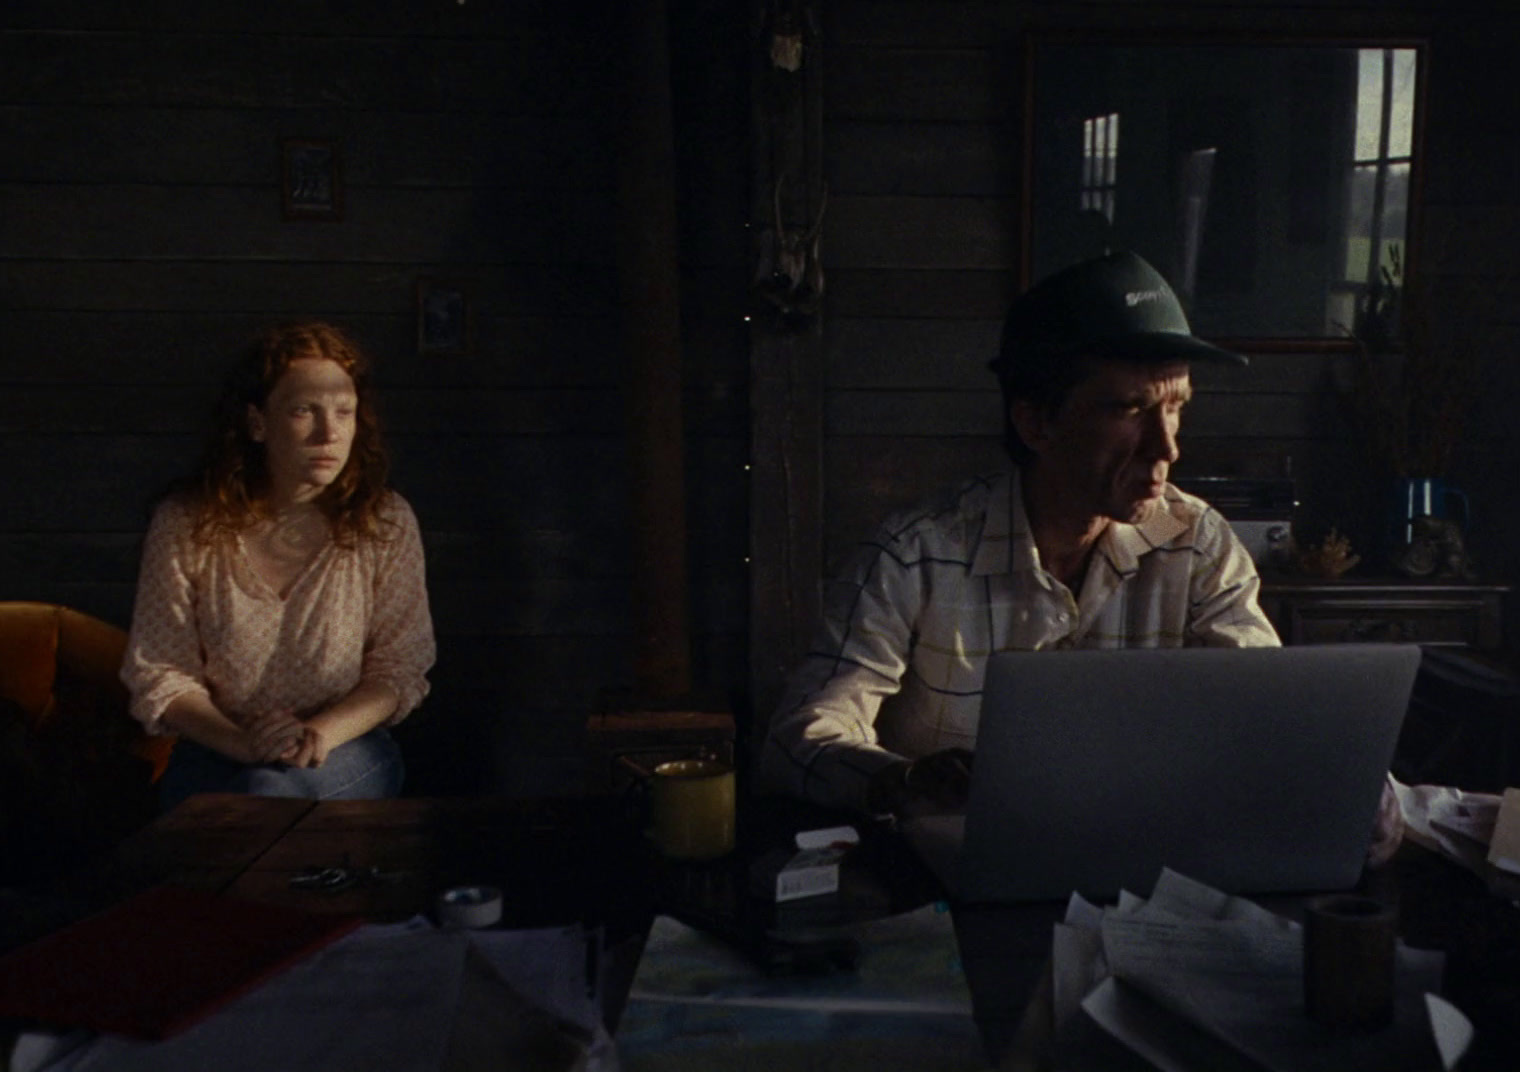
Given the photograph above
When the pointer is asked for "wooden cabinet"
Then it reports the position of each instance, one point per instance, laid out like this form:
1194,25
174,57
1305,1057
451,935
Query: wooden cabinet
1463,724
1348,610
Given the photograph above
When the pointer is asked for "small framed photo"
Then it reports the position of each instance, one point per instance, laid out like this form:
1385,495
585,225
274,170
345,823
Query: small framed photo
444,319
311,179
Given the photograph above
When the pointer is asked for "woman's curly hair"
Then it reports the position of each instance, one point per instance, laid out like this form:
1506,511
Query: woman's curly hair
230,491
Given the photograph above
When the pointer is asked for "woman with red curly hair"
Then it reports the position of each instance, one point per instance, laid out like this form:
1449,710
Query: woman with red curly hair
281,620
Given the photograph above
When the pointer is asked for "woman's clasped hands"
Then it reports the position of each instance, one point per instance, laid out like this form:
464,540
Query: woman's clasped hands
281,737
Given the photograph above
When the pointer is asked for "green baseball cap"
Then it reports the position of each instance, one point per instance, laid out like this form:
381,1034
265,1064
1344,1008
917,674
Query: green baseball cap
1115,306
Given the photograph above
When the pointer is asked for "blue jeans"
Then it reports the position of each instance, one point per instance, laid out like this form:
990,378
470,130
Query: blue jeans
365,768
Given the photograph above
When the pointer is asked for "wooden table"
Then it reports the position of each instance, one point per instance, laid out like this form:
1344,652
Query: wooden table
581,859
555,860
562,861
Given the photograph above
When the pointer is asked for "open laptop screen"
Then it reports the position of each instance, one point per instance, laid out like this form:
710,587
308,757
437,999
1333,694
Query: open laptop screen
1254,770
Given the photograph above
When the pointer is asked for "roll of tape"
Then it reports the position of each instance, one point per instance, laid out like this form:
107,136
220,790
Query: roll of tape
469,906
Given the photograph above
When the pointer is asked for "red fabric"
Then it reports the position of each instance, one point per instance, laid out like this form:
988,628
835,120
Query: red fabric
154,965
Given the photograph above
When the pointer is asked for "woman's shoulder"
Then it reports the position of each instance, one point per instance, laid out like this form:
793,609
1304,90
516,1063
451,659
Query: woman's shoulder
177,512
393,509
176,530
392,534
394,519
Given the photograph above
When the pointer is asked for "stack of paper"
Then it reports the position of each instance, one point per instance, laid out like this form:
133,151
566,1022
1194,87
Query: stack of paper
1193,979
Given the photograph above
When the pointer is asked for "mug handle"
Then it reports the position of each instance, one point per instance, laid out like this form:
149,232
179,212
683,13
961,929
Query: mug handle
640,772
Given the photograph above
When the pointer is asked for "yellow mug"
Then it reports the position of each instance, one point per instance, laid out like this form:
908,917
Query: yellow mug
691,809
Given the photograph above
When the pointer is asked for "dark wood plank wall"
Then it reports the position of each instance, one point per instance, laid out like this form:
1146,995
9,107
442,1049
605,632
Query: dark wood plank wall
923,142
141,241
924,146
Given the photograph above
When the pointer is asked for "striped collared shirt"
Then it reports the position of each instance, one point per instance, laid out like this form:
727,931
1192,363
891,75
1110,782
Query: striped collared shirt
898,666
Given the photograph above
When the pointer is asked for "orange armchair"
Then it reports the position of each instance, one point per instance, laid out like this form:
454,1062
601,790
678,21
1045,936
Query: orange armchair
77,773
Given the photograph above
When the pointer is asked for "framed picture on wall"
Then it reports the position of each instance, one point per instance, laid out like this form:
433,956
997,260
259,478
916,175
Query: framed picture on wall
311,179
444,318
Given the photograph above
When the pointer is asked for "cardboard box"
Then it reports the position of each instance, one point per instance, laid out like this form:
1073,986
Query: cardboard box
809,873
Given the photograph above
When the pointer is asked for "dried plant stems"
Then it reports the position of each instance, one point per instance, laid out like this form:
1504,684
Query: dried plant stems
1412,400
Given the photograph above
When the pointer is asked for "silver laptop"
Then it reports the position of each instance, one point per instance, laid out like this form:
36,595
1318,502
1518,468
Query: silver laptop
1253,770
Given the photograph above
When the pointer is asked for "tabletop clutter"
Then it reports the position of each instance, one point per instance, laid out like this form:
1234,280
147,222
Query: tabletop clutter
1185,978
1194,978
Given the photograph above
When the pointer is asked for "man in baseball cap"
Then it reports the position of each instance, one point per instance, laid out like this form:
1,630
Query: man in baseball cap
1094,369
1083,544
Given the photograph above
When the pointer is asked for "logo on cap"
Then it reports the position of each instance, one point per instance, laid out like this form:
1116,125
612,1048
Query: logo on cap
1135,297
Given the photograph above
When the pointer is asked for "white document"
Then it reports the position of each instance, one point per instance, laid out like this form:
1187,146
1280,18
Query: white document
1078,965
1453,1031
1193,960
1081,912
1168,1043
1184,898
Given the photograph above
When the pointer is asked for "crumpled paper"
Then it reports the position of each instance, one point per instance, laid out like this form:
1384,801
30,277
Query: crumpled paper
1449,821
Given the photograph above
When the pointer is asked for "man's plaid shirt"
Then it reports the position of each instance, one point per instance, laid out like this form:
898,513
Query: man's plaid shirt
898,667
